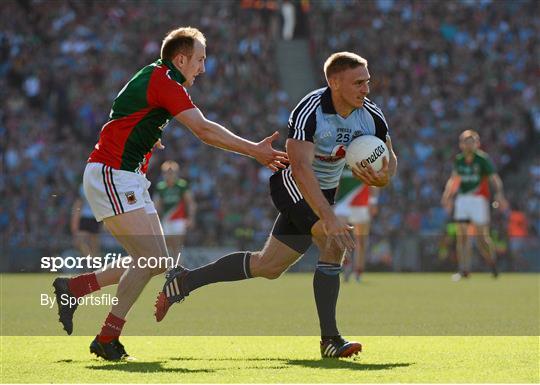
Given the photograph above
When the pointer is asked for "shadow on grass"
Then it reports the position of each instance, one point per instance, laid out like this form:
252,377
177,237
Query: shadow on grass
145,367
329,363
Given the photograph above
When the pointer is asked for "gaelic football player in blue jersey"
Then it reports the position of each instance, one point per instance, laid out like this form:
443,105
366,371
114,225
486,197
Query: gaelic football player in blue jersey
320,128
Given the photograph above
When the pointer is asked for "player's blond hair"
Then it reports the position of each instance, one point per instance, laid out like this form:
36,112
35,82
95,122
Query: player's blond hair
469,134
170,165
341,61
180,40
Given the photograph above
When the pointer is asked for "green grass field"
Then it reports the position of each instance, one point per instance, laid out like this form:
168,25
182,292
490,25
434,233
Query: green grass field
414,327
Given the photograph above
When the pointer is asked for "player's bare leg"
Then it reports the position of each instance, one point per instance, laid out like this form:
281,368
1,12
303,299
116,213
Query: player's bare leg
141,235
486,247
270,263
87,243
463,251
175,243
361,240
348,260
273,260
111,274
326,290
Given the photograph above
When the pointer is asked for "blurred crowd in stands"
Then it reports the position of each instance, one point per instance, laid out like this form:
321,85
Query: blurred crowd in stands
437,68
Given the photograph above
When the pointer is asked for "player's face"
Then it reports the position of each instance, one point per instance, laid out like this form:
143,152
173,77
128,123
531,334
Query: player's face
170,175
468,144
353,86
192,66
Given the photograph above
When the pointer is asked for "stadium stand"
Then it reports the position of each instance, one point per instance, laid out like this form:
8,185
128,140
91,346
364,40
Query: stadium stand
464,66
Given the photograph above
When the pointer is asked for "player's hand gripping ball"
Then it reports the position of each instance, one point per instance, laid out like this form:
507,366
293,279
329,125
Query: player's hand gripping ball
367,149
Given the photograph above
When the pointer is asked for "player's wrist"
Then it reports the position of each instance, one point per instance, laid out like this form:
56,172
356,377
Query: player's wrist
251,149
326,213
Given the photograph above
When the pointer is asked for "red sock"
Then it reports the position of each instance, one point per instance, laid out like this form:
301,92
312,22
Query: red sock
111,328
83,284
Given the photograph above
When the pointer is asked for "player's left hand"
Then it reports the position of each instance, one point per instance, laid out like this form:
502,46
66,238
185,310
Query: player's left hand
501,203
371,177
266,155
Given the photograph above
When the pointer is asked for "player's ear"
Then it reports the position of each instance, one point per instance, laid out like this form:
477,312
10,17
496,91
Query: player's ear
179,60
333,82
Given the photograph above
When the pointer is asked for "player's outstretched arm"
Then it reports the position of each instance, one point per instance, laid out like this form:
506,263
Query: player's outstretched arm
192,207
75,216
216,135
450,189
495,179
301,154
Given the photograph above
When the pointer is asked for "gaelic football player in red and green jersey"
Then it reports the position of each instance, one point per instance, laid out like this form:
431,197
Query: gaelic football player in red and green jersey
175,205
116,186
356,202
469,184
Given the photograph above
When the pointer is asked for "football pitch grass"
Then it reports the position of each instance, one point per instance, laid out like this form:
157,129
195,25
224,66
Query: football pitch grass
414,328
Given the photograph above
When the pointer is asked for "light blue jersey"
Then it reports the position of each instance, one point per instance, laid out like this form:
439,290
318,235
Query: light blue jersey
315,119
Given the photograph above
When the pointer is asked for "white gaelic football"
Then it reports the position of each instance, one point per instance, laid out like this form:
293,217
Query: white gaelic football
367,149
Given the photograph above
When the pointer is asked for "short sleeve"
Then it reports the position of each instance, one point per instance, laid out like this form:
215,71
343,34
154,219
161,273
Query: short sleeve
303,119
381,126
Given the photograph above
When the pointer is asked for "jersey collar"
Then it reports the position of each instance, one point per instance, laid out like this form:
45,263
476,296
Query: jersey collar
326,102
175,74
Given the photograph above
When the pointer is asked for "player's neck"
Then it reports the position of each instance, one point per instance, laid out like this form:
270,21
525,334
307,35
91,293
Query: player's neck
342,108
469,156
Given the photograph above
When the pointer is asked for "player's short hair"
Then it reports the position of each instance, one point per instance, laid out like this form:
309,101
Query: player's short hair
341,61
180,40
469,134
170,165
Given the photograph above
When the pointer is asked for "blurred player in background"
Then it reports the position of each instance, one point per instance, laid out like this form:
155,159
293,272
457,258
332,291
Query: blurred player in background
321,127
84,227
473,171
356,204
115,181
175,205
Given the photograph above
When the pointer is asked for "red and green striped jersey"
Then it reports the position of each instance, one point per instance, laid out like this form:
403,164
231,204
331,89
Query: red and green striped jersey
138,115
352,190
474,174
172,199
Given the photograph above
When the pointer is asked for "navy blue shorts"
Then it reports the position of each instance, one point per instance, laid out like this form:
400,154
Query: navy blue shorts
296,218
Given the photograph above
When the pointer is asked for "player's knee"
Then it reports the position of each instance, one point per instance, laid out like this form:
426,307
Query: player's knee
142,274
158,271
334,255
272,272
264,267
